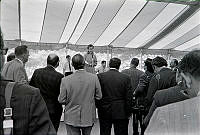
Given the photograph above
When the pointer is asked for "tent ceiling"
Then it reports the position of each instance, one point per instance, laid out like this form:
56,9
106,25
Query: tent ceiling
121,23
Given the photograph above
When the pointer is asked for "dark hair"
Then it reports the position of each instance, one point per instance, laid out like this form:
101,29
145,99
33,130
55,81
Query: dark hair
90,45
1,38
135,61
78,61
147,63
103,61
191,63
159,61
175,62
52,59
1,51
115,63
10,57
68,56
20,50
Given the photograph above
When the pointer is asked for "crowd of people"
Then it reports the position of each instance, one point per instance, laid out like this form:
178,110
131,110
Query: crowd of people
118,96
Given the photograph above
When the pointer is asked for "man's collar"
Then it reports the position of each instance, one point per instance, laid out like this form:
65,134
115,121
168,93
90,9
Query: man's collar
198,93
114,69
20,61
80,70
51,66
163,69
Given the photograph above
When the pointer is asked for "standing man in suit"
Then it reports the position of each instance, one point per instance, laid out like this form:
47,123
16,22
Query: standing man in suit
68,68
188,121
134,74
14,70
168,96
90,59
164,78
48,81
78,92
29,113
115,105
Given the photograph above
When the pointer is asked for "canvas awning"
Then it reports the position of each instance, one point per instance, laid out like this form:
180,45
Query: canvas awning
136,24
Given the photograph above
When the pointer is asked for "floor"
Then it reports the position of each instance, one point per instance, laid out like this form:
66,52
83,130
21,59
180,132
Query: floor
95,129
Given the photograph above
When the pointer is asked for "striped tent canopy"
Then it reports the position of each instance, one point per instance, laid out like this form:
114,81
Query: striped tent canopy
169,25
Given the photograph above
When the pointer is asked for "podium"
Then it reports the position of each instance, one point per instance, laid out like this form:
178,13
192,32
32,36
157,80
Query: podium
181,118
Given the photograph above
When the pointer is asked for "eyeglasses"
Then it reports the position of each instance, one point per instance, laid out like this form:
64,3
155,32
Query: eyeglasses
3,51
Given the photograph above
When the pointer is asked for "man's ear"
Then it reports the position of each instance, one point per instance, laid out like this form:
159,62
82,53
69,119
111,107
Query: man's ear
57,64
188,79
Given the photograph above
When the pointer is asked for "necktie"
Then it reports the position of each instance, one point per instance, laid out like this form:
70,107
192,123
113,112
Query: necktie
69,67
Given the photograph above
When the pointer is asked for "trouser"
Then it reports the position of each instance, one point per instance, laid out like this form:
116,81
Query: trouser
120,126
72,130
55,119
138,117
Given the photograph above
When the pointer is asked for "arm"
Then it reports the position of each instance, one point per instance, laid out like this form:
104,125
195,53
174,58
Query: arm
64,68
153,86
149,115
141,86
63,92
20,75
129,97
40,123
32,81
98,93
95,60
85,57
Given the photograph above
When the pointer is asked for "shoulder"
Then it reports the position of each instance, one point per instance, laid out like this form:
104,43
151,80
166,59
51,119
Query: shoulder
15,63
21,89
85,55
90,75
38,71
166,71
166,96
122,75
139,71
59,74
125,71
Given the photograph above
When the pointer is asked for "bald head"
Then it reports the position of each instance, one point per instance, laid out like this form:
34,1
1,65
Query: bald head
53,60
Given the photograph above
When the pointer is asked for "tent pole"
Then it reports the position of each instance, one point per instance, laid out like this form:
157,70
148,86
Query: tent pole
107,50
66,49
141,56
169,56
19,14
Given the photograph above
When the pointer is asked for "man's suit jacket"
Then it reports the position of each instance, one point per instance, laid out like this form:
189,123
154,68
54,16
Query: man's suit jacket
14,70
78,92
181,118
48,81
164,79
134,75
117,95
30,114
164,97
142,88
